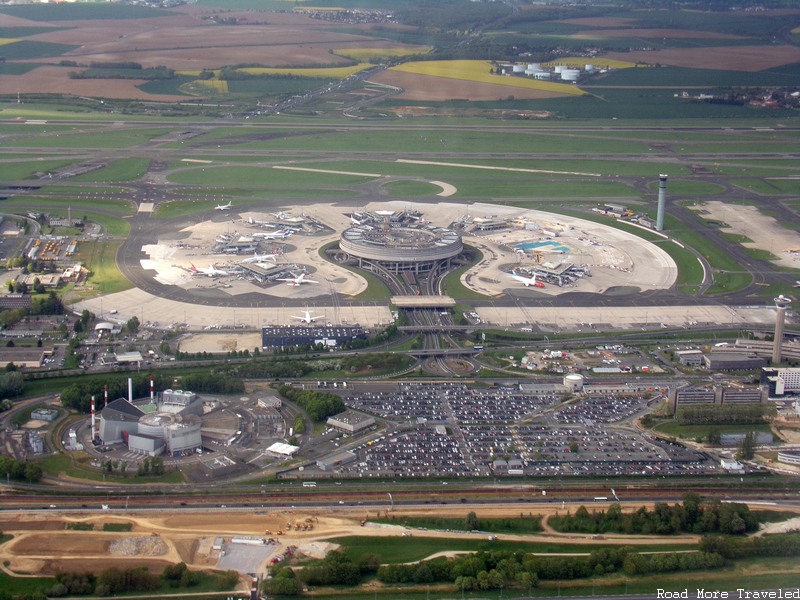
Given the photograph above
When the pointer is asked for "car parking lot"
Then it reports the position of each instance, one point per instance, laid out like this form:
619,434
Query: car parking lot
456,430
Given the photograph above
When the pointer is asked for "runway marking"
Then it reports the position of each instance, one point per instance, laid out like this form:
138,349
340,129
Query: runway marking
327,171
490,168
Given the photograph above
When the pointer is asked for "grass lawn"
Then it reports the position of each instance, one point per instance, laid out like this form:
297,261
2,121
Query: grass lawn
124,169
411,549
100,258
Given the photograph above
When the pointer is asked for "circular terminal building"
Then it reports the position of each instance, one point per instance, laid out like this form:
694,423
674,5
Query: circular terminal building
399,241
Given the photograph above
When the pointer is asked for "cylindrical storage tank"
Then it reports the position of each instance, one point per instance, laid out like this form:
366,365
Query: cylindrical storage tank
534,67
570,75
541,75
573,382
558,68
589,68
518,68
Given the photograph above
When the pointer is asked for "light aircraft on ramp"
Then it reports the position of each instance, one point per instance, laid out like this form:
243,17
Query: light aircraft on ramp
307,317
298,280
209,271
223,206
528,281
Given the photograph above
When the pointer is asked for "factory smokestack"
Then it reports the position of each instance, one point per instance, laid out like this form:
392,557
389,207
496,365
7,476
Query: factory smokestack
93,417
662,202
130,390
151,388
105,396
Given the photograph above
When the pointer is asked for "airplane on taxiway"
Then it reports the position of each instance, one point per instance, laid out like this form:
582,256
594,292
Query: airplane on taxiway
209,271
223,206
308,317
298,280
528,281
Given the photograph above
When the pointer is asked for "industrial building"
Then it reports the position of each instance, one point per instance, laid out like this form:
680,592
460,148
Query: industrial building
781,381
351,422
168,424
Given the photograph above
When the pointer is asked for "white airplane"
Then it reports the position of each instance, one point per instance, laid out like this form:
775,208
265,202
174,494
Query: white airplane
210,271
299,280
528,281
223,206
252,221
797,283
273,235
261,257
308,317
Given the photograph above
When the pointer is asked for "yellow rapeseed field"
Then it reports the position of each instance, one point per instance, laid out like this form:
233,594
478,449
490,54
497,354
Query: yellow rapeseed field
366,53
4,41
478,70
578,62
218,85
332,72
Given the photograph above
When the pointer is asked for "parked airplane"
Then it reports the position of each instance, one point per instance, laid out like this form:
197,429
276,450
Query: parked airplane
797,283
261,257
252,221
528,281
299,280
223,206
308,317
210,271
273,235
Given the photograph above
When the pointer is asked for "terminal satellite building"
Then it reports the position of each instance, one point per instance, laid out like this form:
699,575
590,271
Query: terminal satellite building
168,424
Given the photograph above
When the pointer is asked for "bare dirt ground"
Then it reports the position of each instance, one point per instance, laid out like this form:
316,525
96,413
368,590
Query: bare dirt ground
41,545
735,58
764,231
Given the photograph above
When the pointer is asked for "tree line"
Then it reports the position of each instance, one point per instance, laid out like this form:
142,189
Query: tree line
116,580
693,515
486,570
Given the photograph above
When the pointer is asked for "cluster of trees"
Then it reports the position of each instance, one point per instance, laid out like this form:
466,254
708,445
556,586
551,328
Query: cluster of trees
376,362
337,568
692,516
702,414
19,470
284,582
282,369
151,466
117,581
783,544
318,405
213,382
11,383
82,324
